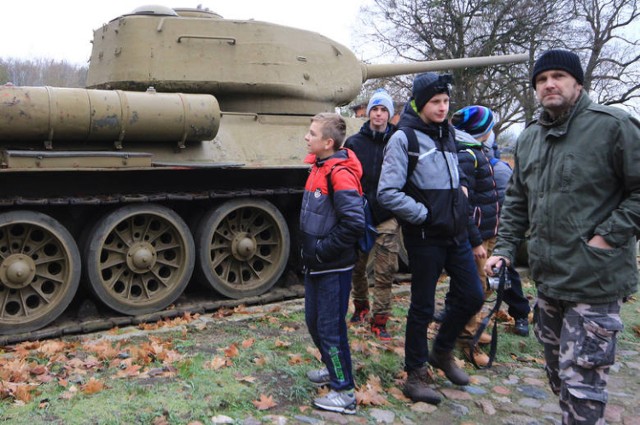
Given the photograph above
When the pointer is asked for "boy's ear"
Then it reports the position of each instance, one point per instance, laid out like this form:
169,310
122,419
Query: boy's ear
330,144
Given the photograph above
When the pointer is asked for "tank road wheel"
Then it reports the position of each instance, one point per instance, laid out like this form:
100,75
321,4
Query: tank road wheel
243,247
139,258
39,271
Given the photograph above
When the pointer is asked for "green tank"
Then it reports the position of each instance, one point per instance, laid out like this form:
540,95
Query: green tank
182,161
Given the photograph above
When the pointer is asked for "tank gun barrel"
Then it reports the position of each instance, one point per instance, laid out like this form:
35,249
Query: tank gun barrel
389,70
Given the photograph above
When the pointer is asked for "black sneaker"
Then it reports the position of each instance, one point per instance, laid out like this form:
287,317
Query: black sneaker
521,327
337,401
319,377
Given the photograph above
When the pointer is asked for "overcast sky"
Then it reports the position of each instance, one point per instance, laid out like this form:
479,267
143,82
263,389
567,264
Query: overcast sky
63,29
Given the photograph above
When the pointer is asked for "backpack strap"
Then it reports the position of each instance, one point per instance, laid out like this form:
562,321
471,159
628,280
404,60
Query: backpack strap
413,149
475,158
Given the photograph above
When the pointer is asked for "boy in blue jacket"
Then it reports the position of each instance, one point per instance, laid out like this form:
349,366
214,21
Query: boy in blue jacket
331,221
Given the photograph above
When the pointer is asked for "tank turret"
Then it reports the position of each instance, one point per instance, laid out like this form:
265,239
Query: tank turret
250,66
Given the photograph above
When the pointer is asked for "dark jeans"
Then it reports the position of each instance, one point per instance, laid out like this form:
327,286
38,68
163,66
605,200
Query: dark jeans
466,295
514,297
326,299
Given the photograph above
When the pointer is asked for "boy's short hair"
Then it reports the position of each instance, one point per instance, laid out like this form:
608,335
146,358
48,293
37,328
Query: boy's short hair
333,127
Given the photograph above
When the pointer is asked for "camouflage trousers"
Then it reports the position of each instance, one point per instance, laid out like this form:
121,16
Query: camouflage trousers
579,347
385,265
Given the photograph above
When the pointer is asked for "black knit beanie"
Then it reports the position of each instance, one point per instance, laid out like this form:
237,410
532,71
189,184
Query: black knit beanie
558,59
427,85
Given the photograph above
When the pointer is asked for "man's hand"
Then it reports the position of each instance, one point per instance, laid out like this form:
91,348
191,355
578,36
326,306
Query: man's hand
598,241
465,191
479,253
492,261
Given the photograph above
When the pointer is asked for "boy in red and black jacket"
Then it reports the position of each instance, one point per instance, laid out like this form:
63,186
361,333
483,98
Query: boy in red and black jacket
331,221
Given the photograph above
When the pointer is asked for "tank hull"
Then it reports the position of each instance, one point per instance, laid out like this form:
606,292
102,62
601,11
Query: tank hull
246,182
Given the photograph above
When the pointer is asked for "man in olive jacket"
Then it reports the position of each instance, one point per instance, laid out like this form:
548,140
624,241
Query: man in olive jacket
576,187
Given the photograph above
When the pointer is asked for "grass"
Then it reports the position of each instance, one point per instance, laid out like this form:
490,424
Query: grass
274,352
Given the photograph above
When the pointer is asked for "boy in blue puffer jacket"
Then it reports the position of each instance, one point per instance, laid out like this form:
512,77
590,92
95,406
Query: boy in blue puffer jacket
331,221
474,124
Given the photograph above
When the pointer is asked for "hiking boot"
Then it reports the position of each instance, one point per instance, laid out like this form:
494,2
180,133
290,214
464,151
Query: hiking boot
379,327
444,361
478,358
319,377
521,327
417,389
361,311
337,401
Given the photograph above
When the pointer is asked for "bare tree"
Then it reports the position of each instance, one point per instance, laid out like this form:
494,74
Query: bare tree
601,31
607,37
414,30
41,72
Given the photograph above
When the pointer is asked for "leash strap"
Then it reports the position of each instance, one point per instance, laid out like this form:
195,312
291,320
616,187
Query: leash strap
502,273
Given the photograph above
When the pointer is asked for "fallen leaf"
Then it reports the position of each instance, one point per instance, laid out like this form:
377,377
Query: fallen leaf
241,309
249,379
248,342
130,371
216,363
51,347
231,351
92,386
260,361
314,352
370,397
398,394
374,383
38,370
23,393
264,403
280,344
295,359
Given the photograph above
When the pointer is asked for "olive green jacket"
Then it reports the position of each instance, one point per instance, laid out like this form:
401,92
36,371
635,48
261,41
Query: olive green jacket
571,181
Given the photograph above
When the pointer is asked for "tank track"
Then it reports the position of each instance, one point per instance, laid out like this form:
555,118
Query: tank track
87,315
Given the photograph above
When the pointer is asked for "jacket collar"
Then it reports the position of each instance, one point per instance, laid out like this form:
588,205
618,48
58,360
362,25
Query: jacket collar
411,119
376,136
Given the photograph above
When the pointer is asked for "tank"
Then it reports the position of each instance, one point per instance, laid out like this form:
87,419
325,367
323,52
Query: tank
182,161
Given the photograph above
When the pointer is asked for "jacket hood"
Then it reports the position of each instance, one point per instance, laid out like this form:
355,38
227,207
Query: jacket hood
465,139
344,156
